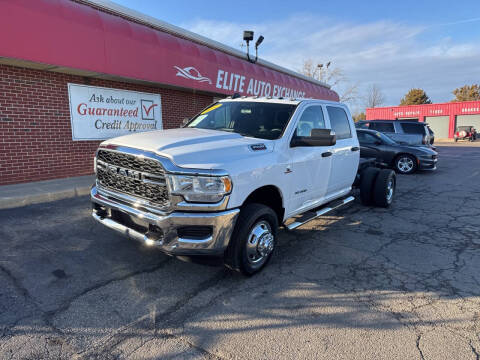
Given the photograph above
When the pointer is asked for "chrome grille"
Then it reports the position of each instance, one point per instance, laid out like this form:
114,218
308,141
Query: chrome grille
148,182
132,162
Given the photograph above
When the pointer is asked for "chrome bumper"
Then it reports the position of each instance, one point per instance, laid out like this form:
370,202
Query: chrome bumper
221,223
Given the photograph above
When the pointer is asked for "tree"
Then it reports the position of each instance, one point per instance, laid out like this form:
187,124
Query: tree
374,97
415,97
359,117
332,76
467,93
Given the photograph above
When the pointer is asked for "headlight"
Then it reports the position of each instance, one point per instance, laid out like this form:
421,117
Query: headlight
200,188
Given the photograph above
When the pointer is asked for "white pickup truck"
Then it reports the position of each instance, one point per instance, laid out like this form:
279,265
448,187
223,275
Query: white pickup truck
225,182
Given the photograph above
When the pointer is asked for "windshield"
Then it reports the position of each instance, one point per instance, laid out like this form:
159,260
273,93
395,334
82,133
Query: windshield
254,119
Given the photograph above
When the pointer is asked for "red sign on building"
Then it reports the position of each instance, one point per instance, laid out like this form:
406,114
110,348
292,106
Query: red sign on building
442,118
69,34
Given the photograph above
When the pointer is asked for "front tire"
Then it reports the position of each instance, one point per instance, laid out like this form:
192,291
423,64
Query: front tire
406,164
253,239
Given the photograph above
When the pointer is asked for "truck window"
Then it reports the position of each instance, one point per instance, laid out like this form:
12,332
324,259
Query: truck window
253,119
412,128
382,127
311,118
339,122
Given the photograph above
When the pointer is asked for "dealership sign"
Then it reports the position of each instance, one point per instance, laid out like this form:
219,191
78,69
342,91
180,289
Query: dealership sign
153,55
98,113
238,83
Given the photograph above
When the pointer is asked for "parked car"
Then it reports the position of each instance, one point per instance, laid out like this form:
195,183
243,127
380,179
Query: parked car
224,183
405,159
401,131
465,133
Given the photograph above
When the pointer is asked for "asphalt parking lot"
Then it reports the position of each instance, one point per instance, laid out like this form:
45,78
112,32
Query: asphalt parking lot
360,283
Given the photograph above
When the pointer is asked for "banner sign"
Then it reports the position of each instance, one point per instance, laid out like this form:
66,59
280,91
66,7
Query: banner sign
101,40
98,113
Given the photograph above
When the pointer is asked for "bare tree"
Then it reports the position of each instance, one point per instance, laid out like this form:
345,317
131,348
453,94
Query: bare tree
349,93
374,97
332,76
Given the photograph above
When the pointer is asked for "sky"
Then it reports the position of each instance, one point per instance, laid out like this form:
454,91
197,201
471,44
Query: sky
396,45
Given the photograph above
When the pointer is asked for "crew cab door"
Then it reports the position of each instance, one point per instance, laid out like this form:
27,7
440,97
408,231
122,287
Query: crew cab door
309,166
345,153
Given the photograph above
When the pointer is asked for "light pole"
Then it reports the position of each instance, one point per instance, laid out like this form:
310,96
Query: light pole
248,36
320,68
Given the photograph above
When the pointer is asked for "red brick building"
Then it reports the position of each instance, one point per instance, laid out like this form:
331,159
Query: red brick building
61,61
443,118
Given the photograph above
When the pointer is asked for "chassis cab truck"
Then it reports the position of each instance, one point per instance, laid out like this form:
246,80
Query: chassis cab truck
225,182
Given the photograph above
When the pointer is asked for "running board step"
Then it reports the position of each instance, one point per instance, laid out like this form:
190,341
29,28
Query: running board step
311,215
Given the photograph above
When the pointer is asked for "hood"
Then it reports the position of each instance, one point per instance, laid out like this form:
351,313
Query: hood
196,148
420,149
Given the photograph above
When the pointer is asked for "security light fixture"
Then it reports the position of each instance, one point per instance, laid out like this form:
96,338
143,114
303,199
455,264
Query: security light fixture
259,41
248,36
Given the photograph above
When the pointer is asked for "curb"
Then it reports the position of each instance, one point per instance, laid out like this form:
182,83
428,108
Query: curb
19,201
25,198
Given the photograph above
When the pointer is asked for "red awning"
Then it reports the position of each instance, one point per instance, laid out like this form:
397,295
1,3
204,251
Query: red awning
68,34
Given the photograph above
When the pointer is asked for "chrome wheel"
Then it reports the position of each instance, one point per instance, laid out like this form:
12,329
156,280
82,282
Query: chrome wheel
390,190
260,243
405,164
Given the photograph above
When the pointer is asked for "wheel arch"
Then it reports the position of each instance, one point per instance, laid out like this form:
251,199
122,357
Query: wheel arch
268,195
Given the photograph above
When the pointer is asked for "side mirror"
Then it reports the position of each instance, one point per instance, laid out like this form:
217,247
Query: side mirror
185,121
318,137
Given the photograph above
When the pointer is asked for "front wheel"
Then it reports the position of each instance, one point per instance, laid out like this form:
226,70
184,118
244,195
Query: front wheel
406,164
253,239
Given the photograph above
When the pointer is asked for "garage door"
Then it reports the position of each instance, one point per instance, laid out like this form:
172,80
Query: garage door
439,125
469,120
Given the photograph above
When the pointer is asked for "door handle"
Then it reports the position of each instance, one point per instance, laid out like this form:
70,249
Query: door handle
326,154
355,148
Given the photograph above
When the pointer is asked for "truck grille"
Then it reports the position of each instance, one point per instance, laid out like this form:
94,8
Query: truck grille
132,162
132,175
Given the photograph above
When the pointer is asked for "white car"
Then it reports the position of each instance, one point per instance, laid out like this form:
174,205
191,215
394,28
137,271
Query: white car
223,183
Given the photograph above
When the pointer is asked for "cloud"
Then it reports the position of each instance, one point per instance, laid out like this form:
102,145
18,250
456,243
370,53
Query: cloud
395,56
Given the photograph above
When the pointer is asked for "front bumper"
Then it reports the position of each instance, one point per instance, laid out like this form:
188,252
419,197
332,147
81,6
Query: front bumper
162,231
427,163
